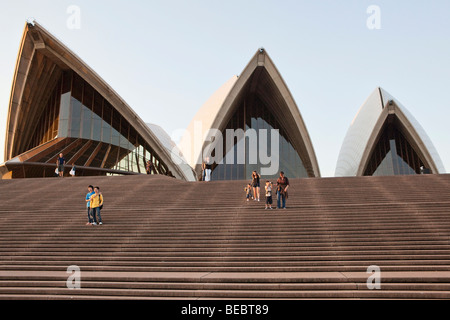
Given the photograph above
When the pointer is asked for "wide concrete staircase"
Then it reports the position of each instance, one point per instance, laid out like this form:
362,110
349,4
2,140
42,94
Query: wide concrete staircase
167,239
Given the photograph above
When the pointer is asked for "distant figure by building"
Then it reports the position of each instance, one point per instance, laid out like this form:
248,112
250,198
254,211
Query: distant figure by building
60,162
208,169
268,188
149,168
72,171
282,191
424,170
202,178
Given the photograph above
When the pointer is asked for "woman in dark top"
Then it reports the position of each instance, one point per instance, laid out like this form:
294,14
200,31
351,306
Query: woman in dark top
256,185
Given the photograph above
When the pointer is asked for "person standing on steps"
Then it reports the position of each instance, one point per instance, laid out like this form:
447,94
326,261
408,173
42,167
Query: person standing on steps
149,167
208,168
268,188
203,171
248,192
282,191
88,201
60,162
96,205
256,185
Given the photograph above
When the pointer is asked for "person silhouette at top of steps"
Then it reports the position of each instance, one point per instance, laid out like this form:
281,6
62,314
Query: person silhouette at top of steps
60,162
282,190
207,169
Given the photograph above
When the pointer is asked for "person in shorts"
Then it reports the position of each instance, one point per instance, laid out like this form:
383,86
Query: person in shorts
256,185
268,188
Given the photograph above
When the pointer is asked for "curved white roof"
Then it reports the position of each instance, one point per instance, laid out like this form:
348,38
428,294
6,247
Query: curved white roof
202,122
172,148
216,112
366,126
36,38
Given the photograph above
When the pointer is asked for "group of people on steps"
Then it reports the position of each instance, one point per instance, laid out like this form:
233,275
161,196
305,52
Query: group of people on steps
253,190
94,198
94,202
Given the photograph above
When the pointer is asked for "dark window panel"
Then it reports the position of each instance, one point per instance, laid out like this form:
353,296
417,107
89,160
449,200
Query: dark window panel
116,120
98,104
393,155
111,160
88,95
97,162
66,82
83,158
77,87
107,112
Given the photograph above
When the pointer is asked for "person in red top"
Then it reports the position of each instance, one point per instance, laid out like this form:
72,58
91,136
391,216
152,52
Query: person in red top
282,190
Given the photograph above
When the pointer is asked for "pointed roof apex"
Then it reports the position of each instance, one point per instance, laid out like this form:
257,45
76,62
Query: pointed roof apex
218,110
366,127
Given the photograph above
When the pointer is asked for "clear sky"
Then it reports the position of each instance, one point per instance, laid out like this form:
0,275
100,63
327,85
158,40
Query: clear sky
165,58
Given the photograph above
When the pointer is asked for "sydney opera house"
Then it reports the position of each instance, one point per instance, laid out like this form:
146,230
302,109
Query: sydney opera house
385,139
58,104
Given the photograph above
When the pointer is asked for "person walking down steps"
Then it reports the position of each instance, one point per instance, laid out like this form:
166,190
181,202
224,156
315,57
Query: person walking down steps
96,206
88,201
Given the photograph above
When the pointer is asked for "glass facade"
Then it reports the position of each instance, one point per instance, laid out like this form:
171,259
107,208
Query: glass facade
84,126
115,144
393,155
253,113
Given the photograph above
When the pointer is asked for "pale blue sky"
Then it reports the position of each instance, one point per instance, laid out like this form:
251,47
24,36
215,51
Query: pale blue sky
165,58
